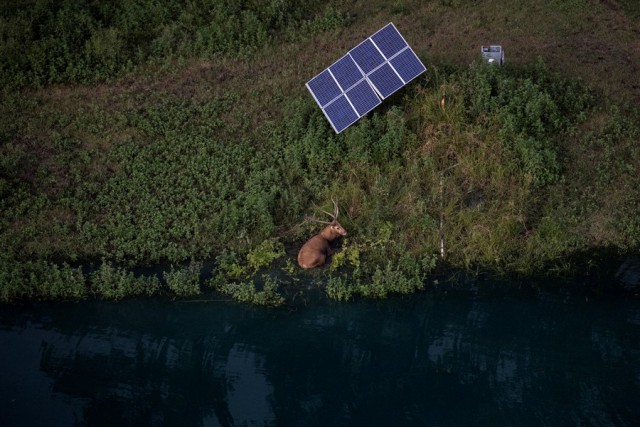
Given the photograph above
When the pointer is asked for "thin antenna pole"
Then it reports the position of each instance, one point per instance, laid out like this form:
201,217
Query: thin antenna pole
442,248
441,216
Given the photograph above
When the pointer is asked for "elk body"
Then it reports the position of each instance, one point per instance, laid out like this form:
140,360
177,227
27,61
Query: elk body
315,251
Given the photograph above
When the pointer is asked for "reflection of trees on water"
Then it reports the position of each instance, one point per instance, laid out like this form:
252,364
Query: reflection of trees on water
175,373
464,361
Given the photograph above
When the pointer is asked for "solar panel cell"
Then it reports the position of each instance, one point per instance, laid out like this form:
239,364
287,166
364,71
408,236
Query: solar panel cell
340,114
385,80
408,65
363,98
346,72
389,40
324,88
367,56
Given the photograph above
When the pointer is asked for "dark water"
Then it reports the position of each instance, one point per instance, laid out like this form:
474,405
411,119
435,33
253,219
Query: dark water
498,358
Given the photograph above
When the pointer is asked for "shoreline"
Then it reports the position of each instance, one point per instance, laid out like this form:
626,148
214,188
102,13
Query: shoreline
593,278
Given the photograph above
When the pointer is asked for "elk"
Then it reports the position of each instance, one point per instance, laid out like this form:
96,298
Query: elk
315,251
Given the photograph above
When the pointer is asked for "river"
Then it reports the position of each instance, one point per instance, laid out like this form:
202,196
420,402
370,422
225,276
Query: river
473,357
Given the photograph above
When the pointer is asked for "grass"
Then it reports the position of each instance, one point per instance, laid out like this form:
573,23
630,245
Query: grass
165,140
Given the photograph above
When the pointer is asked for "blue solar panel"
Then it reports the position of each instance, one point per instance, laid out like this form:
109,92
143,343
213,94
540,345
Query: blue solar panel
408,65
346,72
368,73
367,56
385,80
389,40
363,98
340,114
324,88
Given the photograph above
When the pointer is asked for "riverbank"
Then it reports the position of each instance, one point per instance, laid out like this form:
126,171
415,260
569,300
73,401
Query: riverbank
169,159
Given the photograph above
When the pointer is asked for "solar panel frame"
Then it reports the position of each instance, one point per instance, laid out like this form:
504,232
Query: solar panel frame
358,82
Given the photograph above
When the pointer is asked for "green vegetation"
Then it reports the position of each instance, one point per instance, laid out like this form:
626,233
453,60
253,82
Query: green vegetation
41,280
48,41
184,282
246,291
201,143
114,283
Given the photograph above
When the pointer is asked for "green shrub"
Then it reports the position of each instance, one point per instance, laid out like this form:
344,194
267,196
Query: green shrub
40,280
339,288
246,291
265,253
185,281
115,283
60,282
111,282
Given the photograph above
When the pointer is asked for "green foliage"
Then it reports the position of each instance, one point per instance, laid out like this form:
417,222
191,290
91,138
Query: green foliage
235,277
398,276
246,291
265,253
50,41
339,287
330,19
40,280
600,198
377,268
115,283
230,266
60,282
528,111
390,279
184,281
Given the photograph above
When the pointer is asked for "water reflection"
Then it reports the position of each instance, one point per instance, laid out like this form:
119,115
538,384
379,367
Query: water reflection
455,360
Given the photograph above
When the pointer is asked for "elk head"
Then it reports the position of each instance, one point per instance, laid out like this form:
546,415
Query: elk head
333,228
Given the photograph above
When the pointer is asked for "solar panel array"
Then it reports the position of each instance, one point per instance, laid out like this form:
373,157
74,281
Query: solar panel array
359,81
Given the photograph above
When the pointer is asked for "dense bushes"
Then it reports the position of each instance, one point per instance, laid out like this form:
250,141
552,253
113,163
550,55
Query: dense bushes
47,41
531,113
40,280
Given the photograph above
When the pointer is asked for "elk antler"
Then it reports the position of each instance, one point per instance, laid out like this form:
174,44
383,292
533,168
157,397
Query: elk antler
333,215
314,219
336,211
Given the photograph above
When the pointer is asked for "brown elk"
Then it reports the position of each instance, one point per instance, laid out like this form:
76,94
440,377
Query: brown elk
315,251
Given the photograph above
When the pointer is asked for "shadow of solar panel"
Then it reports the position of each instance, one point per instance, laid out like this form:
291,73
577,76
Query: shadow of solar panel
340,114
385,80
346,72
408,65
324,88
389,40
366,56
363,98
